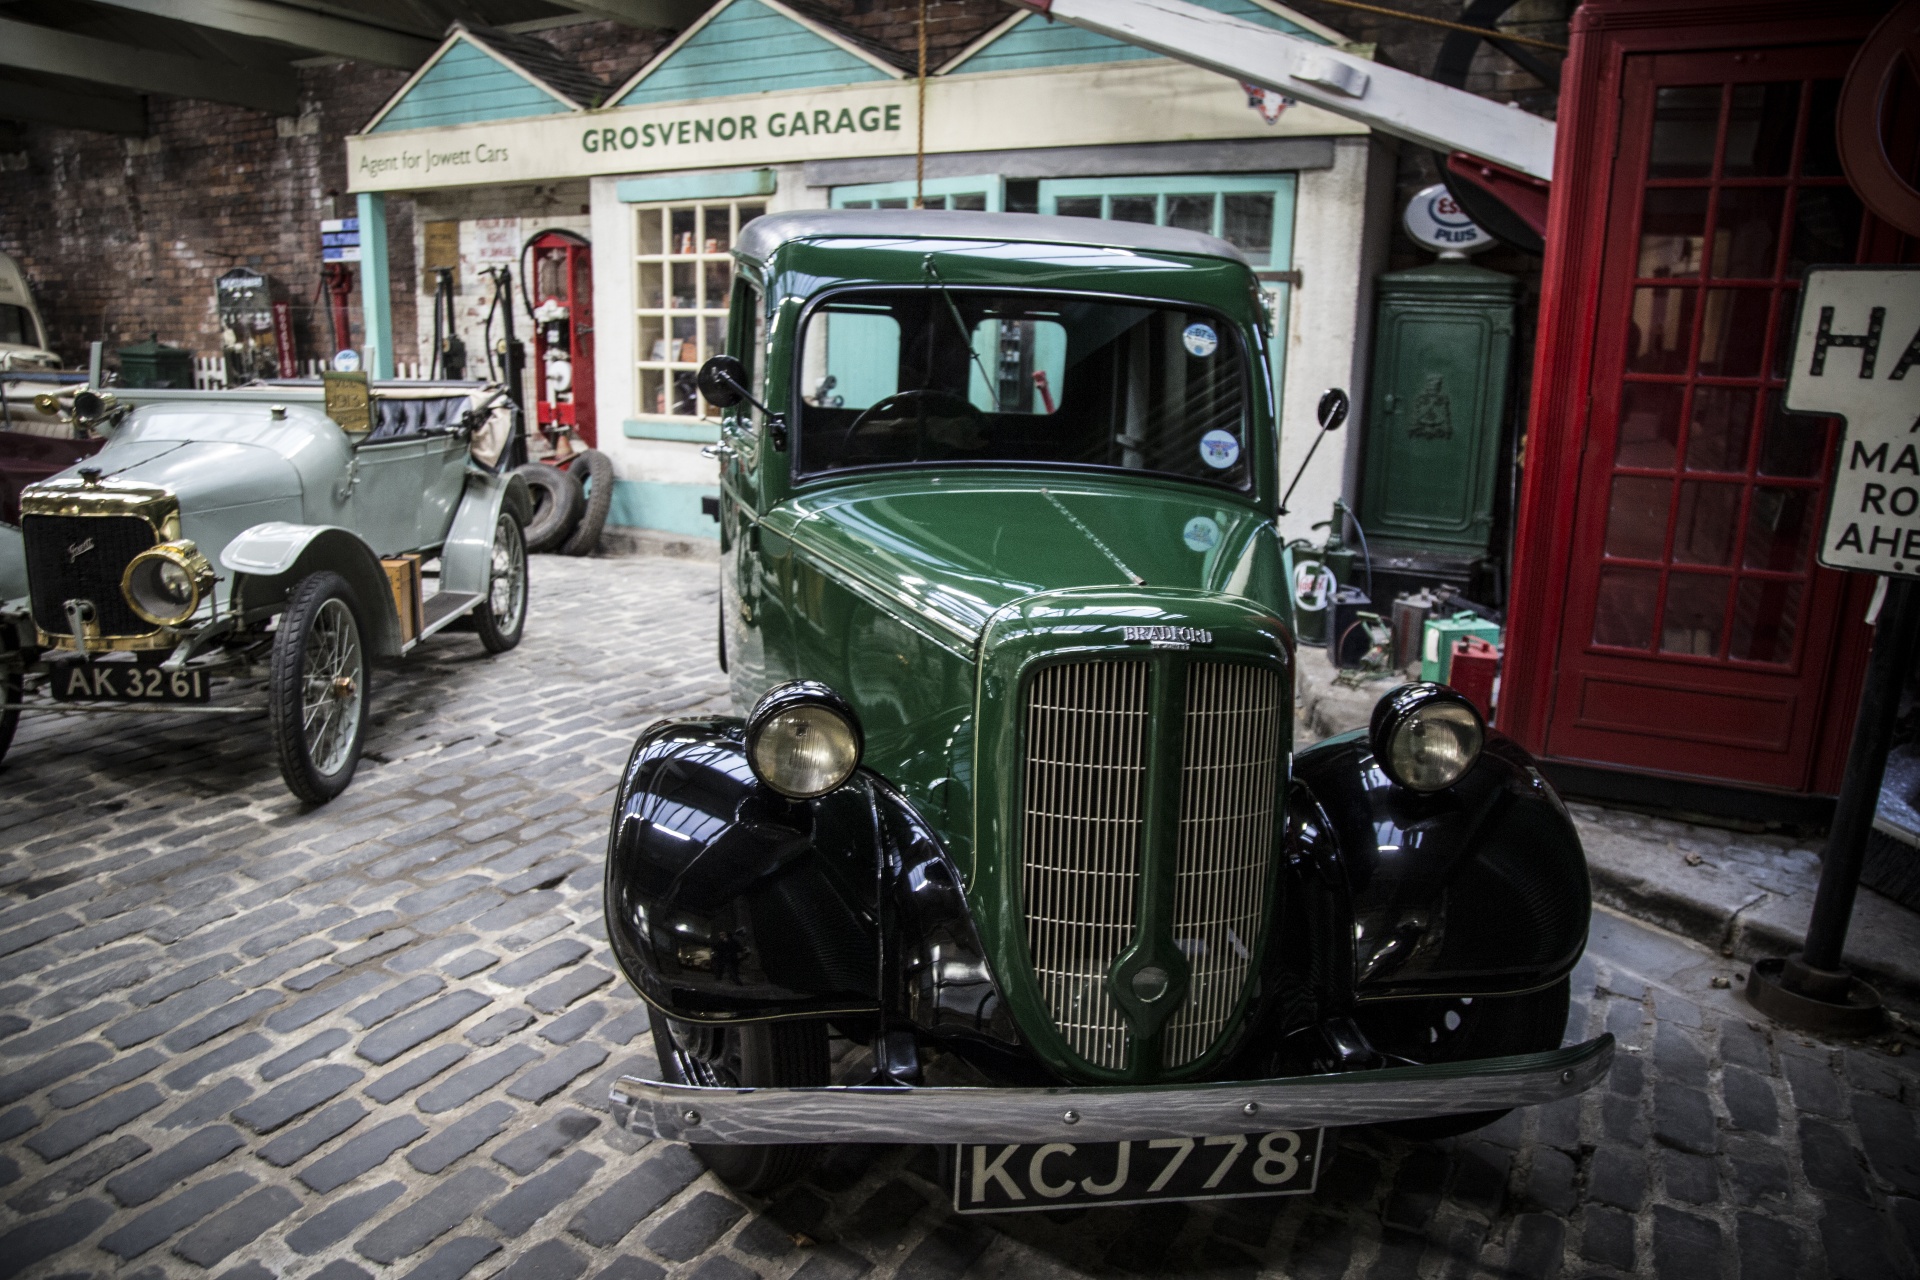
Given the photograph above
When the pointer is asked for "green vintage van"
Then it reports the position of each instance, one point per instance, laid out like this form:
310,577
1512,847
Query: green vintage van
1010,850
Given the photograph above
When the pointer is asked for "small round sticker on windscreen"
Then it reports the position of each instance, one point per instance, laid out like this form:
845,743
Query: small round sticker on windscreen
1219,449
1201,340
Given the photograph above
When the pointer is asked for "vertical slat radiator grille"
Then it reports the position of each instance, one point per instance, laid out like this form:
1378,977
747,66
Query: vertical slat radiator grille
1230,770
1085,791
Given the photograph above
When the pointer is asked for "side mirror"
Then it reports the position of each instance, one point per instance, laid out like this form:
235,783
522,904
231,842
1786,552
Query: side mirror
1333,409
723,381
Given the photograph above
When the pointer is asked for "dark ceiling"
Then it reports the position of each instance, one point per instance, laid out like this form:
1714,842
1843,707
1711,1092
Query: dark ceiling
91,64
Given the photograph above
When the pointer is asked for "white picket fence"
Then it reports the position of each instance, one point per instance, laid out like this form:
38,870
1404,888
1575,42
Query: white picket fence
210,372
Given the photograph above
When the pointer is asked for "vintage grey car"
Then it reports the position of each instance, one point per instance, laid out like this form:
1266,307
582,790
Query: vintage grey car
247,533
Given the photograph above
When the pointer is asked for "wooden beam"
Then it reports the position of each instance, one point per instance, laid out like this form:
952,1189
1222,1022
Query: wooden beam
41,105
664,15
62,53
1384,98
302,28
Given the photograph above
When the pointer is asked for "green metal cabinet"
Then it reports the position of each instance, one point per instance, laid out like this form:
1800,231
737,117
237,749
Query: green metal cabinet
1442,354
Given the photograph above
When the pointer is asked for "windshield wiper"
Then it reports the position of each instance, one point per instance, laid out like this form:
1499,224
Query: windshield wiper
953,309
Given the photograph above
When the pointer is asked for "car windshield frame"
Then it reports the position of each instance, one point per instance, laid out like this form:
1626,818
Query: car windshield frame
1226,331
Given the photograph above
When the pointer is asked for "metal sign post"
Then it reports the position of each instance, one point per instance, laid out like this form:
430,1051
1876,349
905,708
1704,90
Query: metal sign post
1857,357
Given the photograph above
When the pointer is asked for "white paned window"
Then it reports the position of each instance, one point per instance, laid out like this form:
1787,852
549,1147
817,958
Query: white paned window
683,275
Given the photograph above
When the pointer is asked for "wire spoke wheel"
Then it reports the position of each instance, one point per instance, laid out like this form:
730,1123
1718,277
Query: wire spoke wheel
504,612
317,688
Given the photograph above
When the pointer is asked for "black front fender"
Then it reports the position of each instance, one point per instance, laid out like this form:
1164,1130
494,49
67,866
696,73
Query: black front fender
725,900
1480,889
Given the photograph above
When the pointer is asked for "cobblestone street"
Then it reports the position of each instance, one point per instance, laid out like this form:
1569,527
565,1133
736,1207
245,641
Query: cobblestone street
239,1039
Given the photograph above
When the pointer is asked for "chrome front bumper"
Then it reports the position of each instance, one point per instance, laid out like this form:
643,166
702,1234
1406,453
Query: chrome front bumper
849,1113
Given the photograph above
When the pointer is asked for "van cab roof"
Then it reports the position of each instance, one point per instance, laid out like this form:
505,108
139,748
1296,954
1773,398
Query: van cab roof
759,238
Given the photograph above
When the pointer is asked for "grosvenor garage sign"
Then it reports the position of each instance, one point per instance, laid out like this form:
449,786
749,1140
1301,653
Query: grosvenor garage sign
1075,107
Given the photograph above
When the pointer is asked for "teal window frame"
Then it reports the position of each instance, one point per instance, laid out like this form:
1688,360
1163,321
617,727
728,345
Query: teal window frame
865,195
1275,274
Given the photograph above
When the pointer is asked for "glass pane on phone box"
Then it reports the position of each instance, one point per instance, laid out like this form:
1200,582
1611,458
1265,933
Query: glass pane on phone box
1696,611
1766,614
1247,224
1760,125
1721,426
1685,120
1028,359
1659,330
716,232
1135,209
1191,213
1746,234
1733,332
683,235
1649,429
1780,528
1077,206
1820,158
1826,228
1637,517
1791,444
652,227
1673,231
1623,613
1703,528
851,358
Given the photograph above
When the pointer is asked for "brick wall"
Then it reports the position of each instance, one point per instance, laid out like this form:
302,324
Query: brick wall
122,238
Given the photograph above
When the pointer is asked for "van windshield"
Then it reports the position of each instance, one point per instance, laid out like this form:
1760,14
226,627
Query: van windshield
16,326
893,377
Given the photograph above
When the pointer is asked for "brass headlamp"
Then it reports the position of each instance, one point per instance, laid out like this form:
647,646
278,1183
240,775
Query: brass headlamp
165,583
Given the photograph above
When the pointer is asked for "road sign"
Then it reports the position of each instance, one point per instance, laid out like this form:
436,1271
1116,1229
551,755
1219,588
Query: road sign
1856,356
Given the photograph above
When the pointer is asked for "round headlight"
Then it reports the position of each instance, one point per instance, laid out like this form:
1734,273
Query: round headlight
163,584
1426,736
803,740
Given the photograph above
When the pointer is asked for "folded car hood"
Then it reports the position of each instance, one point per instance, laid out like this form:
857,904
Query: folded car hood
958,547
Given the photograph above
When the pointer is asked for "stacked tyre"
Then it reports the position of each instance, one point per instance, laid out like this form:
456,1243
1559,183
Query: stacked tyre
570,502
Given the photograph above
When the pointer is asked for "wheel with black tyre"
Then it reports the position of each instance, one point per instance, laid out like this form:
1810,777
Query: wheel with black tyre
317,688
755,1054
1458,1028
558,501
500,617
598,472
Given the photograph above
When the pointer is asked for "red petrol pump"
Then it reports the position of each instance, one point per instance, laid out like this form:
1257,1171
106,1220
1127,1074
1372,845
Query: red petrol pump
559,286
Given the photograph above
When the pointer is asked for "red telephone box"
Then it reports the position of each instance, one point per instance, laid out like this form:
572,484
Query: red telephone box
1669,626
561,283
